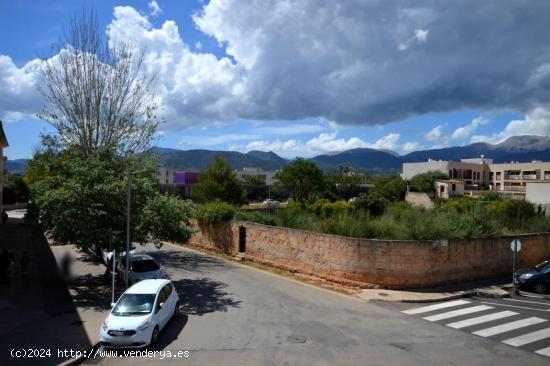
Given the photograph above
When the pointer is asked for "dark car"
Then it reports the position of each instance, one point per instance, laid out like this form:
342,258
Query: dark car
536,279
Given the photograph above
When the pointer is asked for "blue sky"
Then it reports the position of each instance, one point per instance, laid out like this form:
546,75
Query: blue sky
309,77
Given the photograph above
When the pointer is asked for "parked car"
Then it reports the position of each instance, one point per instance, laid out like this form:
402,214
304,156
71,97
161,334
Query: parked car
536,279
106,254
270,202
139,315
142,267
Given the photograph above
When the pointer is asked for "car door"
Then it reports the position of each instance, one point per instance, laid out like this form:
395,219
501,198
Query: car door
161,311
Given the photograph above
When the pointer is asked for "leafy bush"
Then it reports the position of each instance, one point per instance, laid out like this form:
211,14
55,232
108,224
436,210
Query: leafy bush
372,202
216,211
393,188
324,208
166,217
247,215
425,182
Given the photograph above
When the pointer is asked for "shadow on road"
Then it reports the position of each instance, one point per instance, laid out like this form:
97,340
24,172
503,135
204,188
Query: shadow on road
94,291
188,261
203,295
170,332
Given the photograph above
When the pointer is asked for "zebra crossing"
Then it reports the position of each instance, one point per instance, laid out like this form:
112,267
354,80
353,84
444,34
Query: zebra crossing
510,327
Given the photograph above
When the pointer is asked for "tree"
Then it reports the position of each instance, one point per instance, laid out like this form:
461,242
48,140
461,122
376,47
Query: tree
302,179
218,182
373,202
166,217
96,93
392,188
15,189
425,182
344,184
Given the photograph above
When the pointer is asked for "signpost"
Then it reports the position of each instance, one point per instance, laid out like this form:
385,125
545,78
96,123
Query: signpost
516,247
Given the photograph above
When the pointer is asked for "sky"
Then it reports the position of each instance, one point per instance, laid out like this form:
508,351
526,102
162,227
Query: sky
307,77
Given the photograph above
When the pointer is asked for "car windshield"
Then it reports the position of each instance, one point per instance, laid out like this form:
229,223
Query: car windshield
134,304
147,265
544,266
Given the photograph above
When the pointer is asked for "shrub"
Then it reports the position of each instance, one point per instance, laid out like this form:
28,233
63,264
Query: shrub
247,215
425,182
166,217
372,202
216,211
392,188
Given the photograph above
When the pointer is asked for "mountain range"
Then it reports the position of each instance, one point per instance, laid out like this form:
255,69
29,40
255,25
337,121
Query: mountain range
515,148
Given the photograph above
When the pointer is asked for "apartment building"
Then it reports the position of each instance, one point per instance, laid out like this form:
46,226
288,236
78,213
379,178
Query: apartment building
481,174
3,171
177,182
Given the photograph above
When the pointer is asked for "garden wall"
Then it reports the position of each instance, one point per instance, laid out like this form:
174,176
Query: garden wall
388,263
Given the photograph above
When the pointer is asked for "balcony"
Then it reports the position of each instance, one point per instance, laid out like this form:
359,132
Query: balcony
512,177
529,177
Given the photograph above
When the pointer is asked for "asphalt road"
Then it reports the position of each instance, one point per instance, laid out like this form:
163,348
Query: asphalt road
236,315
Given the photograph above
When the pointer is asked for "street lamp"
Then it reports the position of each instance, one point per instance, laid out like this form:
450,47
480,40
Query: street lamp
129,199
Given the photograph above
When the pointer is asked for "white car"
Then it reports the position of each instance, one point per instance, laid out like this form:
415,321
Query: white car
142,267
140,314
270,202
107,254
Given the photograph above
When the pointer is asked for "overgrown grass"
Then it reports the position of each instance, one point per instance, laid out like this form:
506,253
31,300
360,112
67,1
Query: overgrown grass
455,219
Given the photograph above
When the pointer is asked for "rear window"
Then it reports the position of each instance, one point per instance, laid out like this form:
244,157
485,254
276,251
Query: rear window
147,265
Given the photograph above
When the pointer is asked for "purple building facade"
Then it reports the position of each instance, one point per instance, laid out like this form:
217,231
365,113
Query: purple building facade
186,178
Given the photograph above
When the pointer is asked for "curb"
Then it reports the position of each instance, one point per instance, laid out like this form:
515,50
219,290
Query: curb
439,299
79,360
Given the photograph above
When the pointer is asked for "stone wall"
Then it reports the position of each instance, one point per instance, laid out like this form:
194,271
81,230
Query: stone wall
388,263
419,199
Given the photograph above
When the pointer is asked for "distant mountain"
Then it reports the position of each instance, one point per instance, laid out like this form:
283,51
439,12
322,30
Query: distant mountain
516,148
17,166
199,159
370,160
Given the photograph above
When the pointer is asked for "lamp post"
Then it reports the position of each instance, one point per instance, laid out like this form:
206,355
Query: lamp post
128,206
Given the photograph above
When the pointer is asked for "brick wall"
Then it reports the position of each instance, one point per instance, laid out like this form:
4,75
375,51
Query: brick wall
389,263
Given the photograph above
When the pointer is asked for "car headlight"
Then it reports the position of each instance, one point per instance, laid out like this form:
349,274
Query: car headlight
105,325
146,323
525,277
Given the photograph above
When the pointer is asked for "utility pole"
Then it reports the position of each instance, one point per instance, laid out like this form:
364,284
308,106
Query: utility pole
128,212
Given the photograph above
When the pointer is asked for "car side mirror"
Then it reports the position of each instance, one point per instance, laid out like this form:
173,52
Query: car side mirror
161,305
113,304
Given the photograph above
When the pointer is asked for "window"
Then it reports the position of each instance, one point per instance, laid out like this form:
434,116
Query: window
147,265
442,189
454,187
134,304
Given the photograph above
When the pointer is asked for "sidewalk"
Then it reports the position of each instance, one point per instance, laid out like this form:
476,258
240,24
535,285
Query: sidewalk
38,312
486,288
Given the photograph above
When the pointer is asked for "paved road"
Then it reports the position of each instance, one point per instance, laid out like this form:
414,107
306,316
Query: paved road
519,322
235,315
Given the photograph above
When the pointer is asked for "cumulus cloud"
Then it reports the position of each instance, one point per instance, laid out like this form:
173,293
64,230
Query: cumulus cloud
336,60
536,122
154,7
18,93
435,133
326,143
466,131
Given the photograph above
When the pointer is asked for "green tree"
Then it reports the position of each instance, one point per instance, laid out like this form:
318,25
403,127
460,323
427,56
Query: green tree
302,179
344,184
167,217
393,188
425,182
218,182
372,202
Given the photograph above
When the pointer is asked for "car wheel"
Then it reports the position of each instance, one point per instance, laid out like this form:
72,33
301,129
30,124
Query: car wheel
155,335
540,288
176,310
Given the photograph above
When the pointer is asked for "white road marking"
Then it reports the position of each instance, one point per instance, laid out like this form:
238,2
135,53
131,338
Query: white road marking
514,306
481,319
530,302
428,308
454,313
508,326
544,351
528,338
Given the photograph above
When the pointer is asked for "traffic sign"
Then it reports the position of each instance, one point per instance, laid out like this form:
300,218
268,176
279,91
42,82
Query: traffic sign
515,245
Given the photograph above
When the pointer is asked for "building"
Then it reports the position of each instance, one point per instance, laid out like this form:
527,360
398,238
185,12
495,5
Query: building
177,182
449,188
510,179
3,159
267,176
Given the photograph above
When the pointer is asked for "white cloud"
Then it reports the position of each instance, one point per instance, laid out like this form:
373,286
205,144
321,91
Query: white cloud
435,133
411,146
335,60
155,8
536,122
466,131
222,139
198,45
